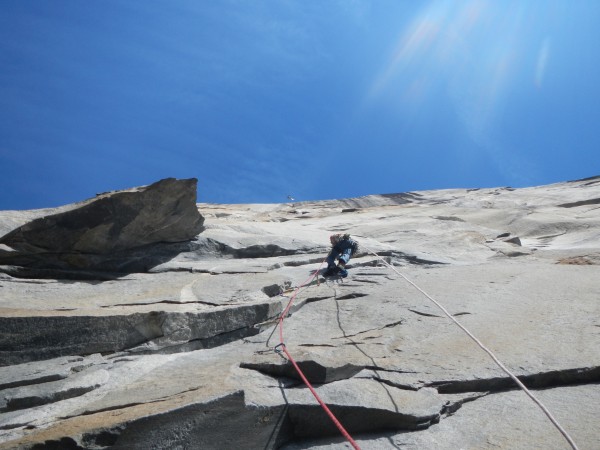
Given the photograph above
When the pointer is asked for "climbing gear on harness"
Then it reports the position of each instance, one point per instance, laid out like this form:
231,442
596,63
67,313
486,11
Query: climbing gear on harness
279,348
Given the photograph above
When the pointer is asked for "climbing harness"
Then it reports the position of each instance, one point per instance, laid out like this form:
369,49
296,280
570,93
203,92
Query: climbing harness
484,348
281,350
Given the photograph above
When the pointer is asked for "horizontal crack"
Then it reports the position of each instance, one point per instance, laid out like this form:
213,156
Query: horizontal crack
555,378
314,371
451,407
353,295
409,258
421,313
127,405
592,201
317,299
316,345
389,325
383,369
364,280
198,343
168,302
305,262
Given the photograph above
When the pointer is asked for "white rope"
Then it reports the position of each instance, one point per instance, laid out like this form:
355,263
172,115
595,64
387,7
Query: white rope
485,349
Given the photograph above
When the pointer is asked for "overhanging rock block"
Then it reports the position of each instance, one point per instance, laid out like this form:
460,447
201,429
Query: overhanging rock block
83,234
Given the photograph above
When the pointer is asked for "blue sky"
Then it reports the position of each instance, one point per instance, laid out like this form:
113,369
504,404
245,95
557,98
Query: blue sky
317,99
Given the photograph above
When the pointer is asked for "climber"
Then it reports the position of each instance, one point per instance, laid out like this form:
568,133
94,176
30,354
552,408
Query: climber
343,248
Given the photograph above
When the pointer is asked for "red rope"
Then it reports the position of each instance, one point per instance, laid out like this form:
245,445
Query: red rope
304,379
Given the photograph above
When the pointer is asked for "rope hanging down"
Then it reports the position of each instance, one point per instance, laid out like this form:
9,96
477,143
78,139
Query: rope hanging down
282,348
485,349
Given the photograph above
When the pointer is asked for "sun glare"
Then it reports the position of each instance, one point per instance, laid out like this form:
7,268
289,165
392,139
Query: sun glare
476,47
468,57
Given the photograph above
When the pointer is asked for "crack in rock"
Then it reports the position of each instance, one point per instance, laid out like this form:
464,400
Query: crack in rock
413,259
216,340
316,345
389,325
350,296
231,422
126,405
422,313
592,201
314,371
363,406
385,369
223,422
317,299
51,392
34,338
540,380
165,302
452,406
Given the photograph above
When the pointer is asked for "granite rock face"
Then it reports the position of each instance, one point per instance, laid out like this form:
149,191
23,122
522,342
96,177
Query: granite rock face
181,352
105,229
